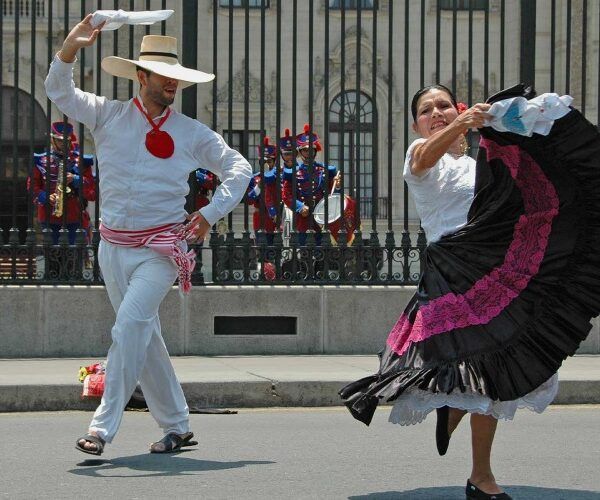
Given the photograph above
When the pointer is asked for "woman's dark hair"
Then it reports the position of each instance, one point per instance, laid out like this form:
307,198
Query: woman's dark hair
424,90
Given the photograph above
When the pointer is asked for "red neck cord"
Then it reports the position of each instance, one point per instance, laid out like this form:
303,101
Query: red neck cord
150,120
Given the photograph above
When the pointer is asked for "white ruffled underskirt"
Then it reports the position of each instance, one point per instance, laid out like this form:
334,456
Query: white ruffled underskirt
415,404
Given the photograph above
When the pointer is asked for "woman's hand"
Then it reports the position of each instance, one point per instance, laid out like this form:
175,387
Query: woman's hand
474,117
427,154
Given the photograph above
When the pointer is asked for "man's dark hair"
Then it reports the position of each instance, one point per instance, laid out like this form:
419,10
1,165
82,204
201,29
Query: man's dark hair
424,90
139,68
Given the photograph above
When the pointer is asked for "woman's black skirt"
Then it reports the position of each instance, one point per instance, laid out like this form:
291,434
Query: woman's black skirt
503,301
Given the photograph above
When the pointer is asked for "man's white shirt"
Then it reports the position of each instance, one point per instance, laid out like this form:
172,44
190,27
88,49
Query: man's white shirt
137,189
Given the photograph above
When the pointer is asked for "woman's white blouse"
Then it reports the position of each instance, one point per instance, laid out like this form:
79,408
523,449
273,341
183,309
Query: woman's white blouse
443,195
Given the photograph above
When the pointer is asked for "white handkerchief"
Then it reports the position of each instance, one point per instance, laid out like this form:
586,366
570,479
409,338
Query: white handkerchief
520,116
117,18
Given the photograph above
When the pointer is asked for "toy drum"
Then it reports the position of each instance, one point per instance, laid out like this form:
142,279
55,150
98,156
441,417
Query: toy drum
334,218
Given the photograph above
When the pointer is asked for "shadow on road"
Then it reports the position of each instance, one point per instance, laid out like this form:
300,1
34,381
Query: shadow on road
154,465
457,492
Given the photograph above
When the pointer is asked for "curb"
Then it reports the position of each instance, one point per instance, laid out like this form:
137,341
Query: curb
242,394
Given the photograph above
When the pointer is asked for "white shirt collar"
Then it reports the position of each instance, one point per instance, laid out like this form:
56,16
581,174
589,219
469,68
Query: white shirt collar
139,98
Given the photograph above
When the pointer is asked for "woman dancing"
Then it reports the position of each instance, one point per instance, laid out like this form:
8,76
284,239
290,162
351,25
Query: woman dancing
511,272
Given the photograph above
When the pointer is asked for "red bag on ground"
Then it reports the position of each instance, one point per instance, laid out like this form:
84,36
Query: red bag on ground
93,386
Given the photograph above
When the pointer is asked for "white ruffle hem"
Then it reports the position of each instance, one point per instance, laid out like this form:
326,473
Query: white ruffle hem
414,405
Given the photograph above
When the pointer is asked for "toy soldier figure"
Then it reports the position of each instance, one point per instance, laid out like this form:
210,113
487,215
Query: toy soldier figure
287,149
205,183
264,187
311,183
59,199
289,153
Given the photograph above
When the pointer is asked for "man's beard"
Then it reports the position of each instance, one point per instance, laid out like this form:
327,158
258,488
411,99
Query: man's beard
158,96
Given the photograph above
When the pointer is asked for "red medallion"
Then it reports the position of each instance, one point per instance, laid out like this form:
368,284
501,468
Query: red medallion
158,142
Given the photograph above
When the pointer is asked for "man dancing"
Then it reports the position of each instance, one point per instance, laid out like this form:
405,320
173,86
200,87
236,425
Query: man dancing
143,247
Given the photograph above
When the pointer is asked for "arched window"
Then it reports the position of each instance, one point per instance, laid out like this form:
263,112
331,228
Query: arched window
13,174
357,123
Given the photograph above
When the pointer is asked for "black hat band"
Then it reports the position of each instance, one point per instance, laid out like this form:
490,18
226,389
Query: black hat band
163,54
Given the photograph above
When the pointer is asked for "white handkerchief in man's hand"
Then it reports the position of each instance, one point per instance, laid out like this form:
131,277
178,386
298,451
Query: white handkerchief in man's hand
117,18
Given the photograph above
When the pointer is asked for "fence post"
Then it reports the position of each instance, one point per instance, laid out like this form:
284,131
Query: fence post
189,55
527,67
189,103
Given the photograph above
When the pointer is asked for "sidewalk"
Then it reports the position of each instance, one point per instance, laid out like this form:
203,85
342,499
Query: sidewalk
243,381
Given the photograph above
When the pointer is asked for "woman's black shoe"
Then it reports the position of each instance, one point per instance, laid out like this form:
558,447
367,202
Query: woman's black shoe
442,438
474,493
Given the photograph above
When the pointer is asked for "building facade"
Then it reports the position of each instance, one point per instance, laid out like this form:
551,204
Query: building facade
347,67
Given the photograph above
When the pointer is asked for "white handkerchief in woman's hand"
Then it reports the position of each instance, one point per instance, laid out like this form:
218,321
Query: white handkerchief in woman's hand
116,18
520,116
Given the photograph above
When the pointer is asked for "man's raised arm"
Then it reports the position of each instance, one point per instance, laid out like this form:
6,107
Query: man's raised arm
60,87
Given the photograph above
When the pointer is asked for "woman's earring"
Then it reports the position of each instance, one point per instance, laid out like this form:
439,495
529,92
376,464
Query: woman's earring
464,146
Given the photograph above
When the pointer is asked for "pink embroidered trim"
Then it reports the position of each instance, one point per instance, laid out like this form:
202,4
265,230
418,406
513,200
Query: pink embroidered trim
490,295
165,240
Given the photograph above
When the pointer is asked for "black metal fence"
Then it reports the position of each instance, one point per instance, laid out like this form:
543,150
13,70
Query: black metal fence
346,67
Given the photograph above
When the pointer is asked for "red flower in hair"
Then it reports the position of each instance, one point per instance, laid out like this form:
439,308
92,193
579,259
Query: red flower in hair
461,107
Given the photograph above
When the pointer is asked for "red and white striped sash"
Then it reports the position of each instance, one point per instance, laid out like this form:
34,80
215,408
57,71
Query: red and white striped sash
166,240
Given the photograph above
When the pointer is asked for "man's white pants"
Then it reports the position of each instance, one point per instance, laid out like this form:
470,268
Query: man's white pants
137,280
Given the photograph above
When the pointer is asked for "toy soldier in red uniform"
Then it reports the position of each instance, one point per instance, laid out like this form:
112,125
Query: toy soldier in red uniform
287,149
265,184
205,181
311,184
68,174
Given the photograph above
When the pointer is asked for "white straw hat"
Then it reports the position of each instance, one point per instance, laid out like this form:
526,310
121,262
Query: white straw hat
159,55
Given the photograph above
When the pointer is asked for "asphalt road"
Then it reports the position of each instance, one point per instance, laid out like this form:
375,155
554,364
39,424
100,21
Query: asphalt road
298,454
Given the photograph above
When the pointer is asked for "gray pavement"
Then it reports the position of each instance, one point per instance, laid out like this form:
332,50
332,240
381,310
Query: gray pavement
243,381
301,454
